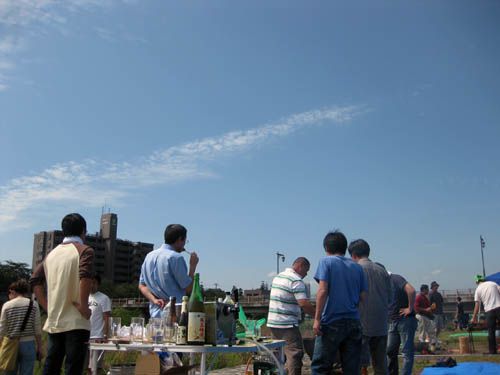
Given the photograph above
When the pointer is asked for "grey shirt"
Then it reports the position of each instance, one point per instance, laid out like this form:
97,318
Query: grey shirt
373,310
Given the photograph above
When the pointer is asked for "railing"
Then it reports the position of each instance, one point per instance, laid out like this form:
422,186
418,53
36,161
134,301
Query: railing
129,302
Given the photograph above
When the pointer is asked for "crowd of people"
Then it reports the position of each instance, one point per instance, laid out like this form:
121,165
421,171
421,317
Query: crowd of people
363,314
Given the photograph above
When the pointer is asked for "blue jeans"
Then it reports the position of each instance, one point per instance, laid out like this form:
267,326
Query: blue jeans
71,344
25,359
401,332
343,335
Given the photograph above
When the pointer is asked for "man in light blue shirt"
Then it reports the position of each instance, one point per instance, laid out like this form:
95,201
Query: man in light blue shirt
164,273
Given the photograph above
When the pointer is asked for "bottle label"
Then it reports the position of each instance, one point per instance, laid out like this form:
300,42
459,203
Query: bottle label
181,335
196,327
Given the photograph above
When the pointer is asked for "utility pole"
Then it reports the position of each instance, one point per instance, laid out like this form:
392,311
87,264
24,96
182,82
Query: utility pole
278,256
216,285
483,244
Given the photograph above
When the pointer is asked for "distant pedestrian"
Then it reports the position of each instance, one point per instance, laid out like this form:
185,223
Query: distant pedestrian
373,309
437,301
342,285
460,316
288,296
402,326
100,305
67,273
426,329
488,293
20,320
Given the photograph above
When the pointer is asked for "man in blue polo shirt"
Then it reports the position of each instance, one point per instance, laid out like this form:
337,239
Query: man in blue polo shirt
164,273
342,284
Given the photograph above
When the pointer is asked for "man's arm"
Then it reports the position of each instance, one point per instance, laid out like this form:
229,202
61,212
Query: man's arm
321,297
37,282
193,262
85,271
306,305
476,311
410,292
39,291
363,296
150,296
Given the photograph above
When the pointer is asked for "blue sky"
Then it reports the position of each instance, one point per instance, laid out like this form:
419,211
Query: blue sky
258,125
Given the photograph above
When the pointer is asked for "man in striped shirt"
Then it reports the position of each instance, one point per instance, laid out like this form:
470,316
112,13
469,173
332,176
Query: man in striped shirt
288,296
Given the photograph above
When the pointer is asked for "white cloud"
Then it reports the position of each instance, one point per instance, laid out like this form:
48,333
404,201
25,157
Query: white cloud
272,274
436,272
88,183
20,19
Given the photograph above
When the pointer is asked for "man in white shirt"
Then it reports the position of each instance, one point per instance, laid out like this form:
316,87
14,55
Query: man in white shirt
488,292
100,305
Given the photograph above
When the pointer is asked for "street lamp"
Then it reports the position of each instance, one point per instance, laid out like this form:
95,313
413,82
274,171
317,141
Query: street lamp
483,244
278,256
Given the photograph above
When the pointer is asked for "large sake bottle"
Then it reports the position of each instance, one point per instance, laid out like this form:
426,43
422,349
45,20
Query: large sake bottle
196,315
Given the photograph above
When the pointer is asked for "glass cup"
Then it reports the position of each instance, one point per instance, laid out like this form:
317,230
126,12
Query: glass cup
115,324
157,334
171,332
137,329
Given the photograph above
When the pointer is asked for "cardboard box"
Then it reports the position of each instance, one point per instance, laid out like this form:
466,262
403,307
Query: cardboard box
149,364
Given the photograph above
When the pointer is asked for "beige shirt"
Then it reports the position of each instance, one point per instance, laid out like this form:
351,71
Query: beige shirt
62,270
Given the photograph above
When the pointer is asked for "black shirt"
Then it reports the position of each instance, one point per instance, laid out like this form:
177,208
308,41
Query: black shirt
399,297
437,298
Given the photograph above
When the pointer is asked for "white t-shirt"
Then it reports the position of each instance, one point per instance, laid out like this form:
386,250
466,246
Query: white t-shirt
99,303
488,292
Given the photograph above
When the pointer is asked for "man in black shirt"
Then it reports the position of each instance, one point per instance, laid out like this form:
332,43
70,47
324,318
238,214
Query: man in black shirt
402,325
460,315
437,299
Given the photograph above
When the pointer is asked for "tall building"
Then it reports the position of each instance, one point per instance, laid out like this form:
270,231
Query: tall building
115,259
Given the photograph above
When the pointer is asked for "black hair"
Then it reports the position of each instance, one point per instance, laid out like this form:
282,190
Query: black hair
360,248
73,225
459,299
20,286
424,287
302,260
335,242
97,278
173,232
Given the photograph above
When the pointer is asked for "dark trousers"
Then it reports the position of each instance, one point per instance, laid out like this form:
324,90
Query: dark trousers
71,344
491,320
374,347
343,335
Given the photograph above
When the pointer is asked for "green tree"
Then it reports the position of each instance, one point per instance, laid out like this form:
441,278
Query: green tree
11,271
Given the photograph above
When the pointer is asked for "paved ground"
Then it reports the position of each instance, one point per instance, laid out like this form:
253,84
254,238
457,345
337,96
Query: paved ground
240,370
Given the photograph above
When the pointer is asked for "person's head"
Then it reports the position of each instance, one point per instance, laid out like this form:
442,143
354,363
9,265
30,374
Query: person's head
96,281
459,299
335,243
479,279
175,236
18,288
359,249
424,289
434,286
301,265
74,225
